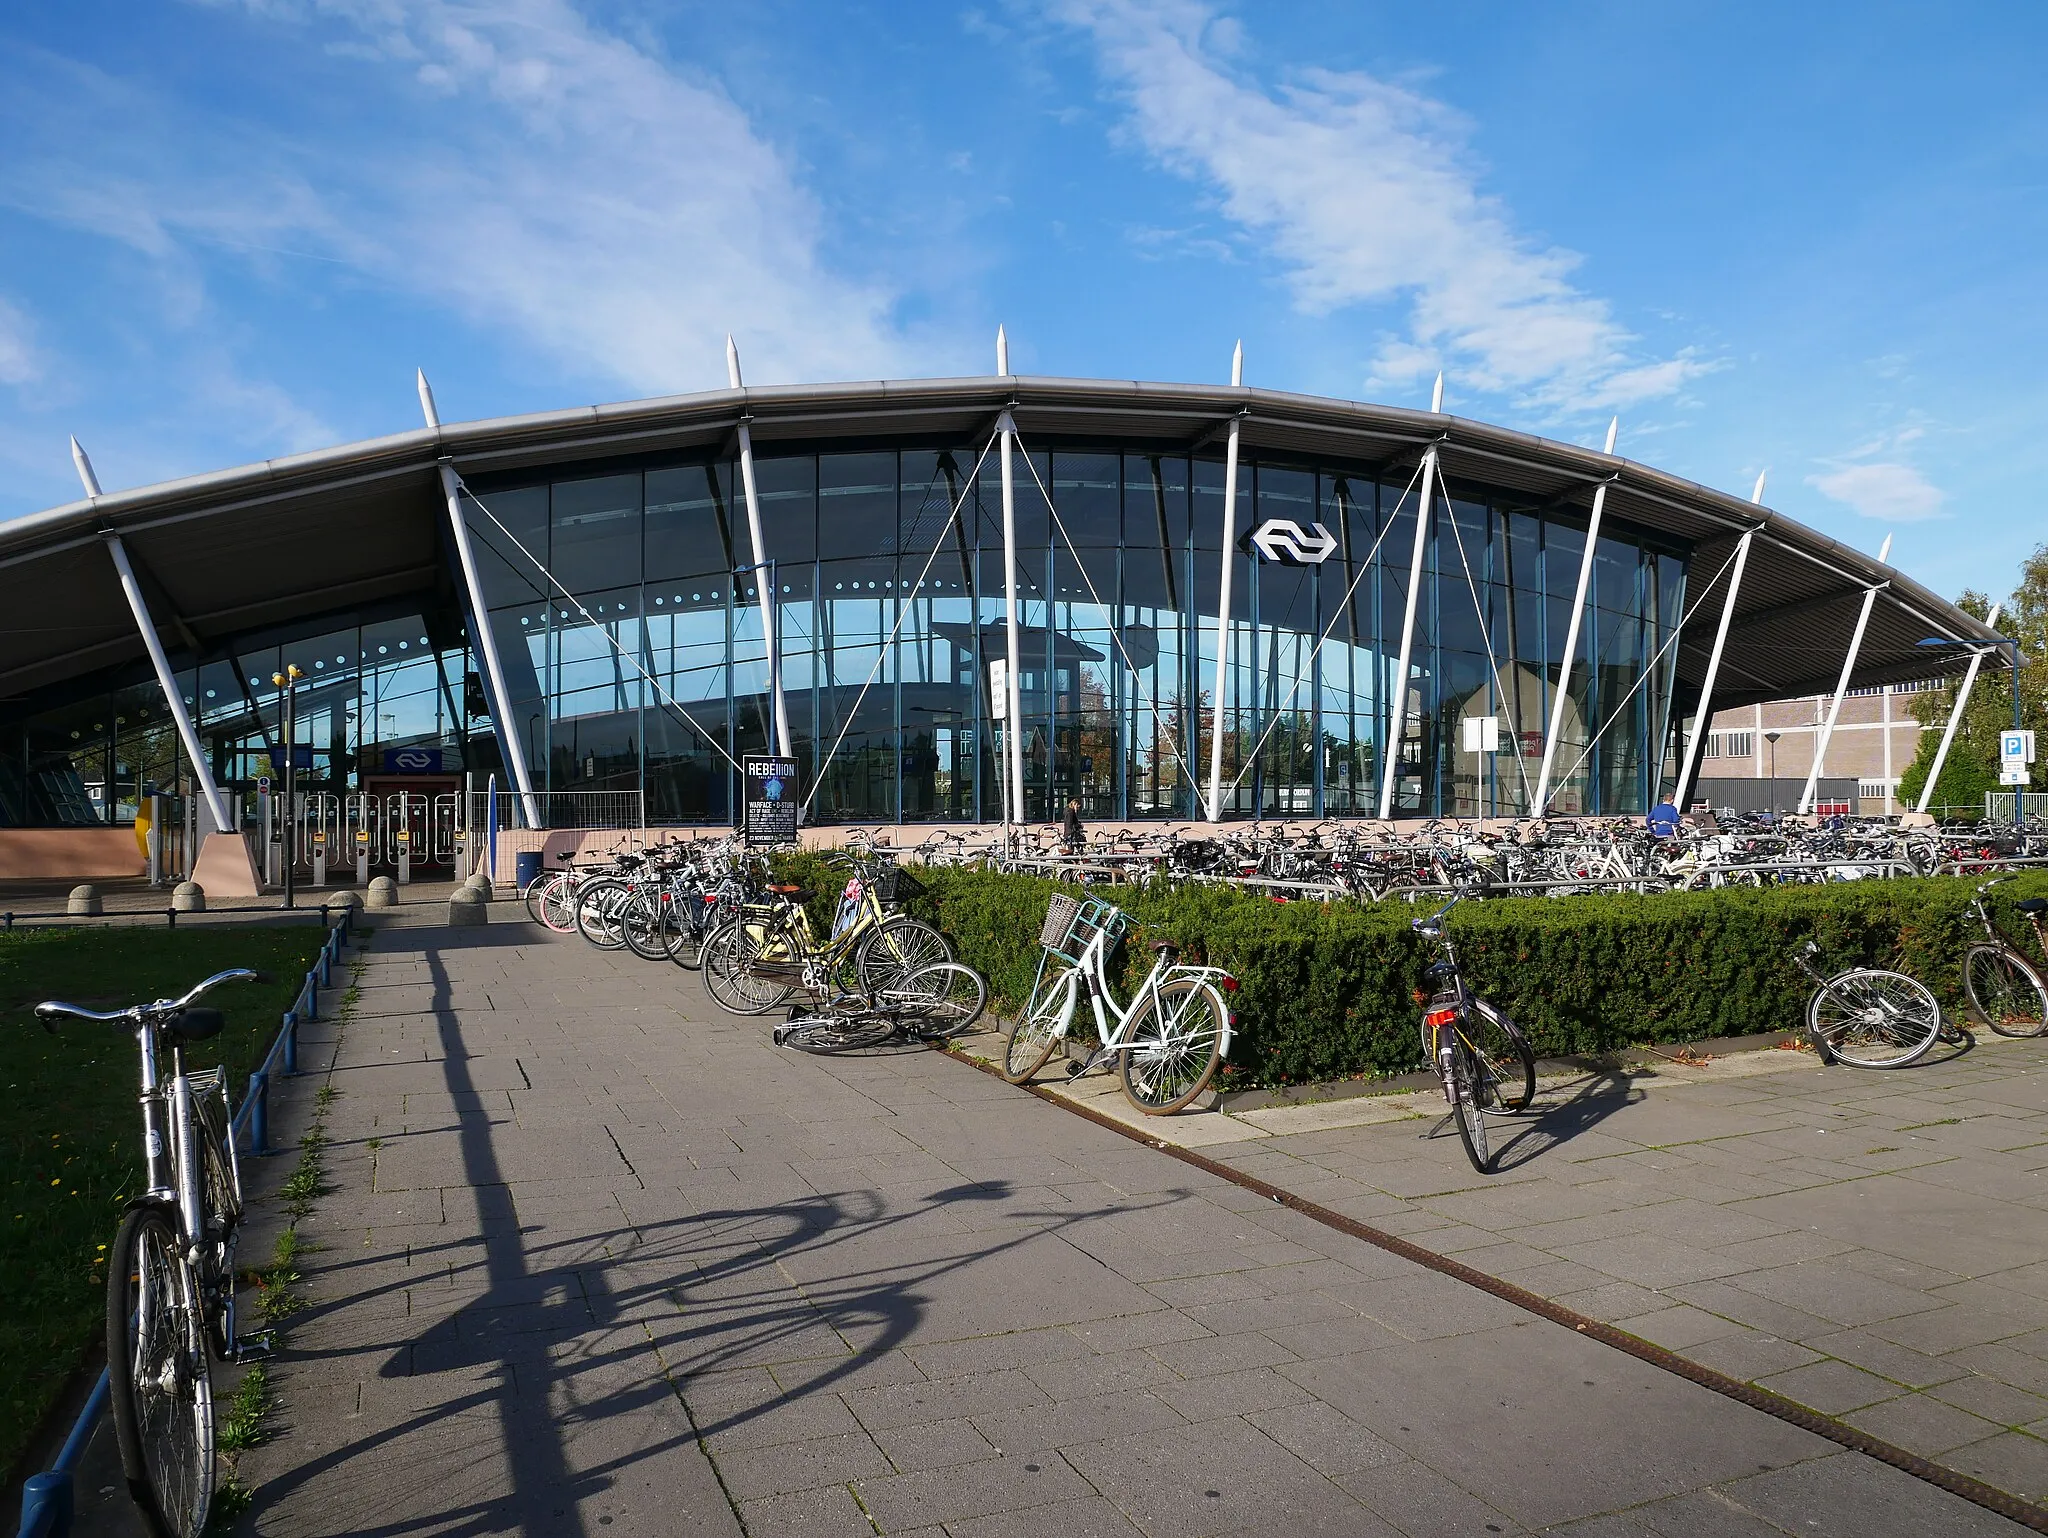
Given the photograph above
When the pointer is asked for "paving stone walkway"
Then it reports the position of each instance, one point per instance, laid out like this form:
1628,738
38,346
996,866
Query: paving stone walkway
600,1260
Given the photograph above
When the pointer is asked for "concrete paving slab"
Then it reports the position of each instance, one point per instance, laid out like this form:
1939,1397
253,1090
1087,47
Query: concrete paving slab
678,1279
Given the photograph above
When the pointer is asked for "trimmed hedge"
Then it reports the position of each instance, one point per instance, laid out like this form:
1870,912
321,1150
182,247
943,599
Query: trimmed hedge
1326,988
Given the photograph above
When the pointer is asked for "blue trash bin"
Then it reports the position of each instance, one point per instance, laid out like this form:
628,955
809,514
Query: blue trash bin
526,867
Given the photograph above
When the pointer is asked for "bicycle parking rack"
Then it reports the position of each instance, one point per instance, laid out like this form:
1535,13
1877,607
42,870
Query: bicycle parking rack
48,1499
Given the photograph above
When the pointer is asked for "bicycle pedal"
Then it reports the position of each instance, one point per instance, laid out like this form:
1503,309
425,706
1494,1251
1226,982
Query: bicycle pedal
1075,1070
253,1348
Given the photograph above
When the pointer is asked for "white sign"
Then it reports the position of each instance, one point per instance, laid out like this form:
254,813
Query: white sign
1482,734
1287,543
2016,747
999,689
2012,776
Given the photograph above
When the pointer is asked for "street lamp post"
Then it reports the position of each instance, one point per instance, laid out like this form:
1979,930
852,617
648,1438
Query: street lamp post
2019,800
288,681
1772,739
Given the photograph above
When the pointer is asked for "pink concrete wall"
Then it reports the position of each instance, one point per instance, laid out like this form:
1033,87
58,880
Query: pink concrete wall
45,854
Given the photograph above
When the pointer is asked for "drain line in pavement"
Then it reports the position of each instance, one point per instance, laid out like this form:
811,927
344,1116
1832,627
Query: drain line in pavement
2026,1513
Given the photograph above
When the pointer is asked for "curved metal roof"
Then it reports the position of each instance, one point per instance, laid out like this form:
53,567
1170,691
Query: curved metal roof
230,551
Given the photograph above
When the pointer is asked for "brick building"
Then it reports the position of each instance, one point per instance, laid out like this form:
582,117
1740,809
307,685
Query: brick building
1873,742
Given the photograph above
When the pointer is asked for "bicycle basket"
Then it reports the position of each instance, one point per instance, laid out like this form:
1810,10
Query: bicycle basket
1072,923
1059,921
895,885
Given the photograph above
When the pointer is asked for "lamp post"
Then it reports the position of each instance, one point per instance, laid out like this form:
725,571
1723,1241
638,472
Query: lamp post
1772,739
288,681
2019,800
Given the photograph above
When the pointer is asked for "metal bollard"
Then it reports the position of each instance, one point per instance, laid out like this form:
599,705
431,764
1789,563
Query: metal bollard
170,918
290,1030
259,1114
46,1505
312,996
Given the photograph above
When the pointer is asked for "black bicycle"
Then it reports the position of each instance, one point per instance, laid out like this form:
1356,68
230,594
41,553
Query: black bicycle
1484,1061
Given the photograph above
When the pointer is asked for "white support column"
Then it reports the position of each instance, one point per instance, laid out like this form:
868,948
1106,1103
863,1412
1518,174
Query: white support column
166,679
1223,599
1013,687
1571,638
1703,717
1955,716
1820,746
510,743
1397,719
763,575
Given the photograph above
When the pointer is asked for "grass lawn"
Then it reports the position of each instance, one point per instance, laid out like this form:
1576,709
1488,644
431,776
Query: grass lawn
71,1133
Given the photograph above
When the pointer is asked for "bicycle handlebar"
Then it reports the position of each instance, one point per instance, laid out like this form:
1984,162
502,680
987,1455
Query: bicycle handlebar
50,1011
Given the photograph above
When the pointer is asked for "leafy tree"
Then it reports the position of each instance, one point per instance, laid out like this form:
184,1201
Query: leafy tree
1972,765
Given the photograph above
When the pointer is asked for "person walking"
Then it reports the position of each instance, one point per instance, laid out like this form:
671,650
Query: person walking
1070,827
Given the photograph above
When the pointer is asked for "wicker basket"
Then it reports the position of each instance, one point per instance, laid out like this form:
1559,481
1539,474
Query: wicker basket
1060,914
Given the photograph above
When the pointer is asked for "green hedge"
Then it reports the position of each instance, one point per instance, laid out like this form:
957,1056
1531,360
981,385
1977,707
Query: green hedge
1327,987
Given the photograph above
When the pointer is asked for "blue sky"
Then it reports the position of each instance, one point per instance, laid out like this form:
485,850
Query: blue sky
1806,238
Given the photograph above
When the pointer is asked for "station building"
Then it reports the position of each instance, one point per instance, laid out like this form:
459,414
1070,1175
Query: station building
1402,589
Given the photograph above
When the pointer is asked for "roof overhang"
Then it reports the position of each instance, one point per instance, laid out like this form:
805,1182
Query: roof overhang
241,549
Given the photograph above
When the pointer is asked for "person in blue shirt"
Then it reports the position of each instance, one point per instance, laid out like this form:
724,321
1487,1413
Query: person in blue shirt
1664,820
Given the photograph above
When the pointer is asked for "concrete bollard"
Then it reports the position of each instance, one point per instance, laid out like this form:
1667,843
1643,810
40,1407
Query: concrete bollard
343,904
383,893
188,897
84,902
466,908
481,885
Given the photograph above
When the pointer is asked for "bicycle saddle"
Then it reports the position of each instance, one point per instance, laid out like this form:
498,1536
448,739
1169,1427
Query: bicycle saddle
794,893
1166,947
195,1022
2032,905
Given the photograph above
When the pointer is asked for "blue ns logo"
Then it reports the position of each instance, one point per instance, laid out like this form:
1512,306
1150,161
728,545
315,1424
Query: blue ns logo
771,790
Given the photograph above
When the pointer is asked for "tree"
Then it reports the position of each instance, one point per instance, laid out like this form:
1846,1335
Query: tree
1972,765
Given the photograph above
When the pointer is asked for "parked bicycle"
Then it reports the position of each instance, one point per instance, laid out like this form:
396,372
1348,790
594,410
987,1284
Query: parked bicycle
2005,990
764,951
1868,1017
930,1004
171,1271
1483,1060
1165,1043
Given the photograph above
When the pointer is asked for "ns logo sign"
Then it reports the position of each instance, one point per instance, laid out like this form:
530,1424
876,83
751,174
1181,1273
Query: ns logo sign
1287,543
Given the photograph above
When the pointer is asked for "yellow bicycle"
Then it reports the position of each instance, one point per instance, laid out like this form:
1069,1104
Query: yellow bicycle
766,952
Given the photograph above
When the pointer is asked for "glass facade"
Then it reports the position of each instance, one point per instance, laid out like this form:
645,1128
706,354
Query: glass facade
625,604
886,570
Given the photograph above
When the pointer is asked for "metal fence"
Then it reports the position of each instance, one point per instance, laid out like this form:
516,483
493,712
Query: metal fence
1998,804
622,810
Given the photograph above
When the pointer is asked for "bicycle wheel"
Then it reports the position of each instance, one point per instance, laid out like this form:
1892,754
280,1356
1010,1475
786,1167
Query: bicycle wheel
220,1196
161,1393
835,1033
684,939
1039,1029
895,950
936,1002
1174,1049
558,903
1467,1107
597,913
2005,993
1505,1057
1873,1019
642,923
535,895
729,954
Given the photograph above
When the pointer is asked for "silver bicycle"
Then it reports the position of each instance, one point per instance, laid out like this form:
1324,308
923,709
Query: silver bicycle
1165,1043
171,1272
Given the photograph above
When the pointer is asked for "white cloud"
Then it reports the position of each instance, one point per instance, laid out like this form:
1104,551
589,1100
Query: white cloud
1364,191
543,179
19,362
1894,493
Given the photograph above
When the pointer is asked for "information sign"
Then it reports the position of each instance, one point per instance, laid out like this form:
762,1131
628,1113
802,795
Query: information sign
1482,734
2016,747
770,799
999,689
2013,776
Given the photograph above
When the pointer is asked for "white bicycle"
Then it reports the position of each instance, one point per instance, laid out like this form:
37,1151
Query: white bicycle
1165,1043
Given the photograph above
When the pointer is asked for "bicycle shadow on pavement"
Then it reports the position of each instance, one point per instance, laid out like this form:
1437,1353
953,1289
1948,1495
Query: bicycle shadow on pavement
626,1320
1551,1122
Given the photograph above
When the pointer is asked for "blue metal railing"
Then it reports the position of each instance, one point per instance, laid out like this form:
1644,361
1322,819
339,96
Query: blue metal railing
47,1499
